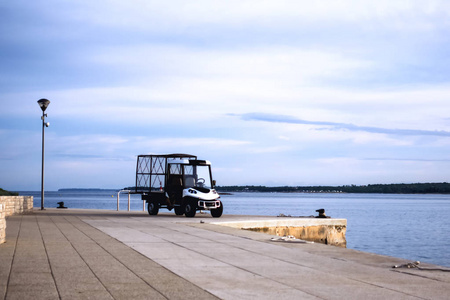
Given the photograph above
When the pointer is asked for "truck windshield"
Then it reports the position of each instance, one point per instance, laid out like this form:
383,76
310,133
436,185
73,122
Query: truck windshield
197,176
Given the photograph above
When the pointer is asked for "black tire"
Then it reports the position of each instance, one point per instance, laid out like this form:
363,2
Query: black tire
190,209
179,210
216,213
153,208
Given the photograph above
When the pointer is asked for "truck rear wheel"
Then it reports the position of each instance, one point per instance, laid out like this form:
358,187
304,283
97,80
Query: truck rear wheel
190,209
179,210
216,213
153,208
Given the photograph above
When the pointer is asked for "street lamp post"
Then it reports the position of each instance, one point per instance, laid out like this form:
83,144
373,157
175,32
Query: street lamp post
43,103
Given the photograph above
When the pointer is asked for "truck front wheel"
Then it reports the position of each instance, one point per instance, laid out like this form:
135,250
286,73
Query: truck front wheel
216,213
153,208
190,209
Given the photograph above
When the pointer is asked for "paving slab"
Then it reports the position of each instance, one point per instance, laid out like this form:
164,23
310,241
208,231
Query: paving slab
99,254
270,269
55,255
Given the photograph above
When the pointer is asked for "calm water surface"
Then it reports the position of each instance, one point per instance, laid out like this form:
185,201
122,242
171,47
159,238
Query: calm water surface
414,227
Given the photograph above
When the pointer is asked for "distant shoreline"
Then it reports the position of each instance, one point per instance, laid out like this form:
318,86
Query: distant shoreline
396,188
85,189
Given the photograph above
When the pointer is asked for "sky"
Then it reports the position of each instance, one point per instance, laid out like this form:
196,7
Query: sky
271,92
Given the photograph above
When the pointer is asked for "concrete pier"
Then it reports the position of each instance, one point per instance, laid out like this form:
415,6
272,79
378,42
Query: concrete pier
324,231
99,254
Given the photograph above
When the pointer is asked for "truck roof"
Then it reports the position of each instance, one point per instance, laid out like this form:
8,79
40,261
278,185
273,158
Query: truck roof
173,155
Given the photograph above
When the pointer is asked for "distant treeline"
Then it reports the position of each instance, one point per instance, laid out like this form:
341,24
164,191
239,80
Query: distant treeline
6,193
399,188
85,190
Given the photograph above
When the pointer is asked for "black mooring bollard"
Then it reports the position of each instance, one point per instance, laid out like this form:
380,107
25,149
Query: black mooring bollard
61,205
321,213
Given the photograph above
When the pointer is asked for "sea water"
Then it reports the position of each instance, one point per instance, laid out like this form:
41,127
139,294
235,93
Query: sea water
413,227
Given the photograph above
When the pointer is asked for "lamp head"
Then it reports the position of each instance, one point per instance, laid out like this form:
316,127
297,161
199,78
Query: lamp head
43,103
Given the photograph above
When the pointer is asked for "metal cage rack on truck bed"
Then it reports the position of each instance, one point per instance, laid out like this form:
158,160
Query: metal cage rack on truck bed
151,171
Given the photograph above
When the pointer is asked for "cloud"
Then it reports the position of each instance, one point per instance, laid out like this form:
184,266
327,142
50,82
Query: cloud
130,77
157,16
175,144
409,159
274,118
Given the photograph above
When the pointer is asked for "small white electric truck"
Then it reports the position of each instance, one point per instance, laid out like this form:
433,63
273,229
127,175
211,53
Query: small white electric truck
177,181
